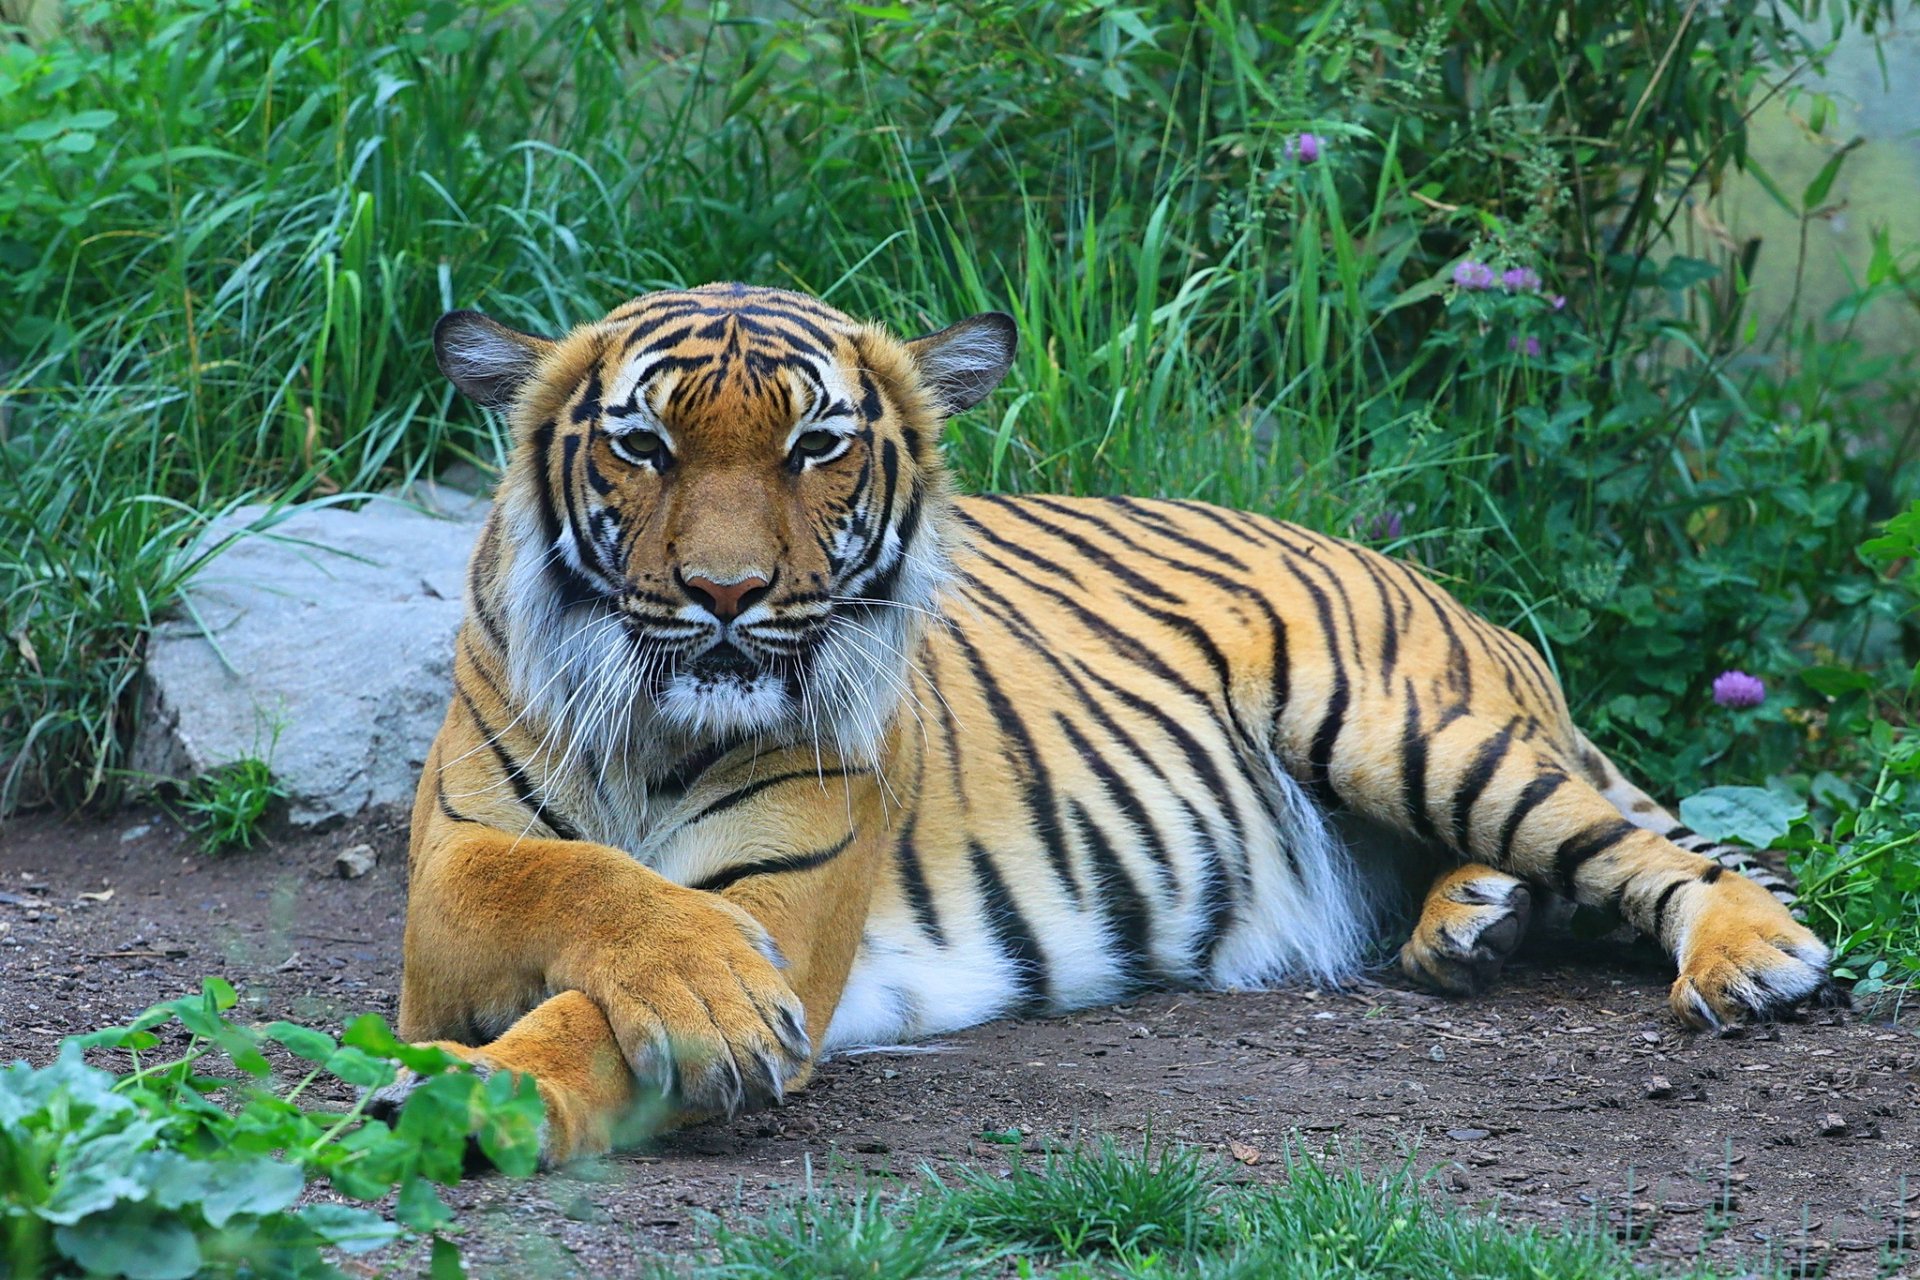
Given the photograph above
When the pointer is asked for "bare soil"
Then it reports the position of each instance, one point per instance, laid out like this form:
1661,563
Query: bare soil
1567,1095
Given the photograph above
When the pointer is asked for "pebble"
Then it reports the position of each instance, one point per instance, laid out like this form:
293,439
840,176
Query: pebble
351,864
1468,1135
1659,1087
1833,1125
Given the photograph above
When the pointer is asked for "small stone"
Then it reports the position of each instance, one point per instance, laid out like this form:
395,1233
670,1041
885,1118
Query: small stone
1833,1125
135,832
351,864
1659,1087
872,1148
1437,1054
1650,1037
1468,1135
1457,1179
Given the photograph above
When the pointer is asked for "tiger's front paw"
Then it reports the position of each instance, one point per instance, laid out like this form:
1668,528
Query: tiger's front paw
697,1005
1745,959
1471,922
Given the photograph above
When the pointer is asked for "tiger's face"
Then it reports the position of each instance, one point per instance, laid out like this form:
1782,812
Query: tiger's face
725,510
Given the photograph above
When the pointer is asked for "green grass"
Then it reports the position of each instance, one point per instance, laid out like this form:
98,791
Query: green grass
1102,1211
225,231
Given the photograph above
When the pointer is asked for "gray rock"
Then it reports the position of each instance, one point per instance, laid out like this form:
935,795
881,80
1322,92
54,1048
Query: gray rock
351,864
323,645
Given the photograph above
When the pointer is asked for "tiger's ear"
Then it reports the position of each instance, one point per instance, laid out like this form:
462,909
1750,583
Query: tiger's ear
484,358
964,362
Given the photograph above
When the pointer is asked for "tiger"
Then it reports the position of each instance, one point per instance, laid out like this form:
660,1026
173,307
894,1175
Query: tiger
765,742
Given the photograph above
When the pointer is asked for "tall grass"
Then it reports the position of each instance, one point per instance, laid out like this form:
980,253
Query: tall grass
229,228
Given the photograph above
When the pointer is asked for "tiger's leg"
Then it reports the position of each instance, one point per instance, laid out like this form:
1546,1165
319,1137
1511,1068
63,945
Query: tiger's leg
1470,922
614,986
1498,800
1637,807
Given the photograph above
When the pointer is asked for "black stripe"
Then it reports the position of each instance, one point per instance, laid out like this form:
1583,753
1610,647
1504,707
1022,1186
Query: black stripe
877,538
1583,846
1157,524
906,856
785,862
1680,832
1125,909
1010,929
1036,781
1390,641
1033,558
1531,797
446,806
1097,555
1712,873
1043,645
1413,769
1660,910
523,788
1486,763
568,584
996,605
1123,798
745,793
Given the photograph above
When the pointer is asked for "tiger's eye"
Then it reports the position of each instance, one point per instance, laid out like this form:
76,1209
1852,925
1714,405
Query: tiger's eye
815,444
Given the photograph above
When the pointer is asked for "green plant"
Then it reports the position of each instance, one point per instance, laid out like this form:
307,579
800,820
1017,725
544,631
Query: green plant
171,1170
225,805
1324,1222
1092,1202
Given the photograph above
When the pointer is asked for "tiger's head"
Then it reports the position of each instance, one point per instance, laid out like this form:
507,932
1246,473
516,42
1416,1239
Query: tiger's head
725,514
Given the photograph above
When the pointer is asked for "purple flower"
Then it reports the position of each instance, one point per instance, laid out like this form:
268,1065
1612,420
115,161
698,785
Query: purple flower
1384,527
1473,275
1737,689
1559,301
1530,347
1306,146
1520,280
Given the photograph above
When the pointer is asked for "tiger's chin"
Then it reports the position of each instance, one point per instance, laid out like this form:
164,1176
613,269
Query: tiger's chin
727,702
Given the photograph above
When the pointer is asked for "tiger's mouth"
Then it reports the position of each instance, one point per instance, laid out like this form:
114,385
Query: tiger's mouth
725,660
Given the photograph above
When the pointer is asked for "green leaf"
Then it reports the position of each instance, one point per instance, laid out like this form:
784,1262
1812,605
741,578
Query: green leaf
419,1206
348,1229
446,1262
259,1187
1816,192
131,1242
1752,815
515,1114
356,1067
301,1042
1834,681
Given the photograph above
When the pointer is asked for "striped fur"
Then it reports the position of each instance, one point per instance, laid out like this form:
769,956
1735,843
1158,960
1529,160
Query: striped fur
764,743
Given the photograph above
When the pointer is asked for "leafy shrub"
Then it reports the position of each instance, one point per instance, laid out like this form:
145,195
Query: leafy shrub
228,228
168,1171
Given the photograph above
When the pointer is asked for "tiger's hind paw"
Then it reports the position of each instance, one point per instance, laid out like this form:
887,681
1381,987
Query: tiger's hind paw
1470,924
1746,960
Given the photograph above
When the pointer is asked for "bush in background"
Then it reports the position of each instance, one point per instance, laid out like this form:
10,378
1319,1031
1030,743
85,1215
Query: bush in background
1445,278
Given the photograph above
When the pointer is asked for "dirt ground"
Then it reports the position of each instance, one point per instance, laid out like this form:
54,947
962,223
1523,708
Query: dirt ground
1568,1094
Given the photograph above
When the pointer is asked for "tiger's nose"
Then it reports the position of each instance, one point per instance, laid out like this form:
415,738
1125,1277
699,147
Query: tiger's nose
726,600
